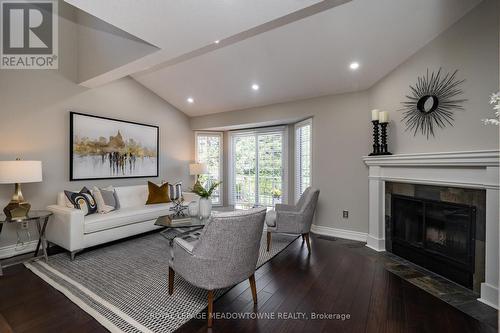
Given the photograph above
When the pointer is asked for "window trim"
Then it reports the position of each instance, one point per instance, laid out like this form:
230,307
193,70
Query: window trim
303,123
221,158
256,131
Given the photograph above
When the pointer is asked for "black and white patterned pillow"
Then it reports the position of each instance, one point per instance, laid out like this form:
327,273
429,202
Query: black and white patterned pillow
175,191
82,200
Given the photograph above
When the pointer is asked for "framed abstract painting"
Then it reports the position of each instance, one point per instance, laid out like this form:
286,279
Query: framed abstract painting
106,148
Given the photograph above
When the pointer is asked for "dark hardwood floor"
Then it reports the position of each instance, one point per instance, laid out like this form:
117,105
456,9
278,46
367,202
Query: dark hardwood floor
335,279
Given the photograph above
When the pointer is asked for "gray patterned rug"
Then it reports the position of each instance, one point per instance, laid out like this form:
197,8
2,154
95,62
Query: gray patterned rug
124,286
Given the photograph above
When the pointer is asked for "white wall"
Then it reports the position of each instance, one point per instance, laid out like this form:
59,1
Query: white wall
342,129
471,46
34,123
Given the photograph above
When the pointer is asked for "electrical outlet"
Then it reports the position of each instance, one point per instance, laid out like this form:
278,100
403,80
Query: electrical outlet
345,214
24,225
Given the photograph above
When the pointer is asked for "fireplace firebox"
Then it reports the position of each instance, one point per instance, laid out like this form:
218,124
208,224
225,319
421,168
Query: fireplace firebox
437,235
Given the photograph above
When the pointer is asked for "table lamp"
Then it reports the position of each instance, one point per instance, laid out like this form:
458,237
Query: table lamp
18,172
197,169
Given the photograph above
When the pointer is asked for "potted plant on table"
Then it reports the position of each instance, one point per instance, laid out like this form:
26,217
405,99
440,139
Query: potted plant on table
276,194
205,205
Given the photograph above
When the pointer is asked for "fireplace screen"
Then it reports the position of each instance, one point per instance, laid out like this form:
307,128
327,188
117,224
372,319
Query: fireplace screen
436,235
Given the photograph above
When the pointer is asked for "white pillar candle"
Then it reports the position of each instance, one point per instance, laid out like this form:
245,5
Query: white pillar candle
383,117
375,114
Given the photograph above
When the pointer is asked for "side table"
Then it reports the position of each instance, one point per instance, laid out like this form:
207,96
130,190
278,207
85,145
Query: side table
40,218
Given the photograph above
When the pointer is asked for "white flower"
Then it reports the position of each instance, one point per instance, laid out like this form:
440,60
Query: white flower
491,122
495,101
495,98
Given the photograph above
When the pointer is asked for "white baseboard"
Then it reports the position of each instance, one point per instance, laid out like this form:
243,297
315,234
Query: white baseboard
340,233
11,251
489,295
377,244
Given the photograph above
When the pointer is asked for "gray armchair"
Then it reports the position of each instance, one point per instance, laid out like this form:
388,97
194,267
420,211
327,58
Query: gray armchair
225,253
293,219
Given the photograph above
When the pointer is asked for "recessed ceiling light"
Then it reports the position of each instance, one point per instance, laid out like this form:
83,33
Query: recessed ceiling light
217,41
190,100
255,86
354,65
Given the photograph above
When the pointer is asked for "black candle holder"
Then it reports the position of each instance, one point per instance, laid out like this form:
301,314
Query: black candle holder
376,145
383,145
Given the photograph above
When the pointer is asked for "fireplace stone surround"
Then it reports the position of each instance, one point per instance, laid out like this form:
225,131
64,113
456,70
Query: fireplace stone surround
467,170
451,237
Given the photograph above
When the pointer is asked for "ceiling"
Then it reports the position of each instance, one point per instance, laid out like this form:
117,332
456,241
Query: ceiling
293,49
188,28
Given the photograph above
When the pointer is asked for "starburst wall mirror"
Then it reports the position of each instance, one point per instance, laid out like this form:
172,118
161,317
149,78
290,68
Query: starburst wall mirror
432,102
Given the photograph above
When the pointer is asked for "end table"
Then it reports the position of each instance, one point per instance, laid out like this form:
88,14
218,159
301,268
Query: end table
41,218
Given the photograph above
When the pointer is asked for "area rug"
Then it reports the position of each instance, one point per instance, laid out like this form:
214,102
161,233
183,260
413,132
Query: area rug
124,286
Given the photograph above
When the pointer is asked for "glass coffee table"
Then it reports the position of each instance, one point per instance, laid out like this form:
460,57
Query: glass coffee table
179,226
182,226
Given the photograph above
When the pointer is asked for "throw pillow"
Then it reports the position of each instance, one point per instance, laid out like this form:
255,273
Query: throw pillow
82,200
102,207
157,194
110,197
175,191
62,200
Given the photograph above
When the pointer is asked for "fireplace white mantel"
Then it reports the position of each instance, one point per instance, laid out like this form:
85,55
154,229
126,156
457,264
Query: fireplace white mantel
468,169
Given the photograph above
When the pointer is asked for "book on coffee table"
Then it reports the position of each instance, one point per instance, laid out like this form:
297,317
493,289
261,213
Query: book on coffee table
177,220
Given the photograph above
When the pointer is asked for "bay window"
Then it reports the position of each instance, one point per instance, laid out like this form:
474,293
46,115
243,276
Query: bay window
209,150
258,166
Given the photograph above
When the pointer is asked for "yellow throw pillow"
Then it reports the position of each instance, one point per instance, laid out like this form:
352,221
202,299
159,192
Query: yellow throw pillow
157,194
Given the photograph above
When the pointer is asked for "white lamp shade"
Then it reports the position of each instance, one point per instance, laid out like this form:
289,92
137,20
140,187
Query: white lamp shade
197,169
12,172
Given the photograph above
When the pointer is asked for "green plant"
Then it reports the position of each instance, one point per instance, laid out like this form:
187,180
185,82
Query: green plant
276,193
204,193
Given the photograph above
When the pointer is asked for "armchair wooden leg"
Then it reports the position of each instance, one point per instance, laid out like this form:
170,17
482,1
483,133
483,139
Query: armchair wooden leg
303,238
306,236
171,275
268,241
251,279
210,309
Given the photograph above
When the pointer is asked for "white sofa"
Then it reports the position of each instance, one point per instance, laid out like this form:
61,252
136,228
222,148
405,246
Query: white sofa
73,231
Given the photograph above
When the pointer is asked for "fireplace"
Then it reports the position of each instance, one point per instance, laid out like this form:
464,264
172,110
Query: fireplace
437,235
440,228
469,177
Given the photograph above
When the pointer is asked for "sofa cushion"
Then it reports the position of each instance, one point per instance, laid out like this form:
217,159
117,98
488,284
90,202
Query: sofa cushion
132,196
124,216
